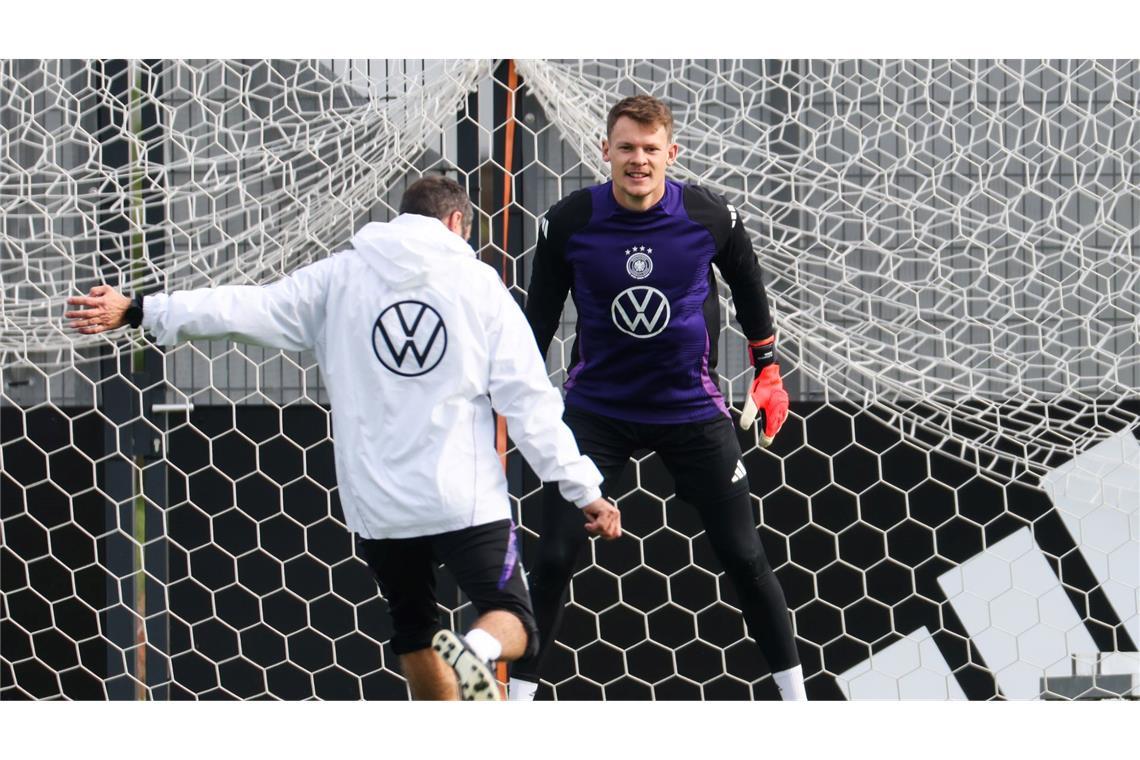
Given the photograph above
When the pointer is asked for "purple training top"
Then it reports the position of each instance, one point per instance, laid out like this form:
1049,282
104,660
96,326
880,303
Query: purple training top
643,285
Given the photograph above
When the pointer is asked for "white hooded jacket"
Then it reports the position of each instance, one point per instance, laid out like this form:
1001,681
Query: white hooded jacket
417,340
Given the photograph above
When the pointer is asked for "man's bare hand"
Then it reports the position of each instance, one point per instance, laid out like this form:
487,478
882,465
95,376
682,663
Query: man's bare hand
602,519
106,309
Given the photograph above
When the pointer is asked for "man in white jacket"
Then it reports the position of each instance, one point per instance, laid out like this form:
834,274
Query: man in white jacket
417,341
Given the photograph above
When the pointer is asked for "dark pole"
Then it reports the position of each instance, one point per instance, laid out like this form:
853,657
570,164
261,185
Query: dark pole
131,383
118,404
148,451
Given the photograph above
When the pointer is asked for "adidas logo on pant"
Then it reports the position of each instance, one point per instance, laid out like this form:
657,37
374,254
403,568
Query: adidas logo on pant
740,471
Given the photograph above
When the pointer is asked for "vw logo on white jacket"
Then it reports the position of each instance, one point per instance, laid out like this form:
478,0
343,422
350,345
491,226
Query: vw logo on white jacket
409,338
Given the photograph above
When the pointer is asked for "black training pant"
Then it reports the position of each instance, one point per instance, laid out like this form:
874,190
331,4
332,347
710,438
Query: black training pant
704,459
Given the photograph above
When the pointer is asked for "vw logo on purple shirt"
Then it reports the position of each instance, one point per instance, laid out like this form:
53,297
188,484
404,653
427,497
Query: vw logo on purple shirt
640,311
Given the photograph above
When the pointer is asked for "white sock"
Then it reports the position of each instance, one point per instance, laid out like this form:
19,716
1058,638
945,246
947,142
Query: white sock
790,682
485,646
521,691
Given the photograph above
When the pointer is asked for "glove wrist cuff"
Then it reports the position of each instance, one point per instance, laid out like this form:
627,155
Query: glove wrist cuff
762,353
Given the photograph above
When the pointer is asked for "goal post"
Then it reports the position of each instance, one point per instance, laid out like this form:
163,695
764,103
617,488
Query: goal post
950,250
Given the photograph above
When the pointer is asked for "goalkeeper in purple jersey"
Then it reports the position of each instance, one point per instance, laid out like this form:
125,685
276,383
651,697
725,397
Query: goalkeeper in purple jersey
636,254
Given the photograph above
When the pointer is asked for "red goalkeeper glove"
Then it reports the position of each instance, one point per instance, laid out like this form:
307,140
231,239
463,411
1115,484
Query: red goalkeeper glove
767,397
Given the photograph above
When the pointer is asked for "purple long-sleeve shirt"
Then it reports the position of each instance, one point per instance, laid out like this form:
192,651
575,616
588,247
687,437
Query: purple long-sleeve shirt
648,317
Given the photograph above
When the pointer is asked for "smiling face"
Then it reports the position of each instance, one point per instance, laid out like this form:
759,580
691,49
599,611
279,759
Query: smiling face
638,154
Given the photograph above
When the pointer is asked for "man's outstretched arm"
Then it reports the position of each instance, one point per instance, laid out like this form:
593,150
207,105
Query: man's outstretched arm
287,314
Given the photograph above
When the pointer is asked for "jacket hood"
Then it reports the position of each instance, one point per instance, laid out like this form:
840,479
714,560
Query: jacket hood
405,250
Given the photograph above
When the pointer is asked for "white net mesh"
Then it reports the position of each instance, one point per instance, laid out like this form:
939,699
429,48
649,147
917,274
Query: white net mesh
950,248
255,168
955,235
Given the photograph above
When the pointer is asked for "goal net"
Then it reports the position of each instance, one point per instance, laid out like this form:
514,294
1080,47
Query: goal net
950,250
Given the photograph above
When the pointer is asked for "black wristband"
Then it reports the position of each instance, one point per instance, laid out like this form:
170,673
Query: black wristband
762,355
134,315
